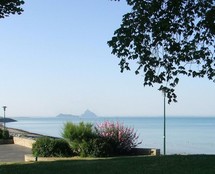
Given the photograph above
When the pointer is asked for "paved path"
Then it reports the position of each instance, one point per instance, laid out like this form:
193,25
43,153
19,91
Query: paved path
13,152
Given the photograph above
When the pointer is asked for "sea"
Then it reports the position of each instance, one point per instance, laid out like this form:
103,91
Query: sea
184,135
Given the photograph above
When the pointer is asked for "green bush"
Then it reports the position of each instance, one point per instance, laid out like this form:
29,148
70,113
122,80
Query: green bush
95,147
85,148
78,132
49,147
1,133
4,134
79,136
101,147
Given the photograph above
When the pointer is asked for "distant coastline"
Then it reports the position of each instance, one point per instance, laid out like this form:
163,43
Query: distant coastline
7,120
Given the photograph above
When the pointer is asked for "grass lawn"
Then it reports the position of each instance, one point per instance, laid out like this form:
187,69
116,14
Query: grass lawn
191,164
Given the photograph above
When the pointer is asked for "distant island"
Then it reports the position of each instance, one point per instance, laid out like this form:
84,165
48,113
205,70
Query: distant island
86,114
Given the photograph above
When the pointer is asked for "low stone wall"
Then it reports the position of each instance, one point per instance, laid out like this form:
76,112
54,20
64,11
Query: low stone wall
23,141
136,151
155,152
146,151
7,141
31,158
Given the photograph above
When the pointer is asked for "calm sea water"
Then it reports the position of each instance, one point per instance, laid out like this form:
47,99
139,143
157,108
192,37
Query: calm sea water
183,135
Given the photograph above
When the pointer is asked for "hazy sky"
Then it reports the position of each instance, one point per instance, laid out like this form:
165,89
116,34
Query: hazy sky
55,59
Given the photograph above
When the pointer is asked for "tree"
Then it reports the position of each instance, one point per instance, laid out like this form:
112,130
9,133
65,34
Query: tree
8,7
167,39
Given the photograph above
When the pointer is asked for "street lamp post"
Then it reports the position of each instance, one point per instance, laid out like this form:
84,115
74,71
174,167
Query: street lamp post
164,124
4,107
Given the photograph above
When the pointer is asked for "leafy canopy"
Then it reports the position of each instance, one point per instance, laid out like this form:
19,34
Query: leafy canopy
8,7
166,39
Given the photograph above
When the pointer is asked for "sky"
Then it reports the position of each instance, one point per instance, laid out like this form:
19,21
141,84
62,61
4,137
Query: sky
55,59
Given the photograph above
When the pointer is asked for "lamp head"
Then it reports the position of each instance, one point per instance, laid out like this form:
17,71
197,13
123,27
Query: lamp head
4,107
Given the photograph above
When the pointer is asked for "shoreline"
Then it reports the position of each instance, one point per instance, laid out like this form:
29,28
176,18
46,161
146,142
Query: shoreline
22,133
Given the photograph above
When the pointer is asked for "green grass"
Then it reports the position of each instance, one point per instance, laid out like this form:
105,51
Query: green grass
191,164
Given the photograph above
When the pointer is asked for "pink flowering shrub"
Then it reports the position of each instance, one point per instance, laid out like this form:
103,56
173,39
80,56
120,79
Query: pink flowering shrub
122,139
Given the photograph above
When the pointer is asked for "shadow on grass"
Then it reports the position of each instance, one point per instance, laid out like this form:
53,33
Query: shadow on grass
191,164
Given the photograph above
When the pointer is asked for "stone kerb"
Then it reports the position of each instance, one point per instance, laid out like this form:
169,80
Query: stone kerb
23,141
